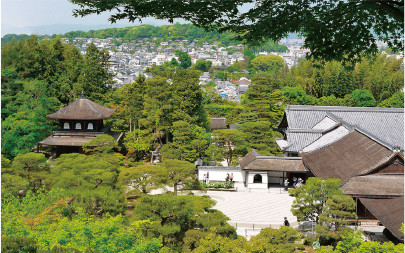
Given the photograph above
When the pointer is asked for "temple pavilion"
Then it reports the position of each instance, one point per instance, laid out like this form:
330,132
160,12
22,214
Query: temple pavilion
79,123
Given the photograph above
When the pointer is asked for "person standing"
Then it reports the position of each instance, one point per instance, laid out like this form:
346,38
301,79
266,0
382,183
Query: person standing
208,177
231,177
204,179
286,183
227,177
286,223
294,181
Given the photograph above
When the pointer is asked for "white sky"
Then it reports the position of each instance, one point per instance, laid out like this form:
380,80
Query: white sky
24,13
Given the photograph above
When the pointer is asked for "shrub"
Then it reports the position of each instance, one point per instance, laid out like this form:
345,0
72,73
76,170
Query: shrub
309,241
225,185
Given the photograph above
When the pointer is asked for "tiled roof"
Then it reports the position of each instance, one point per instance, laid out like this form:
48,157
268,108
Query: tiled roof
82,109
387,124
299,138
390,212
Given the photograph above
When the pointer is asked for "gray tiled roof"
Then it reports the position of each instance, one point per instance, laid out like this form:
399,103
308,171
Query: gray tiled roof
300,138
386,124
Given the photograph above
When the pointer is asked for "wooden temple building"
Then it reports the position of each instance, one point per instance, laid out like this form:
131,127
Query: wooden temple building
372,172
79,123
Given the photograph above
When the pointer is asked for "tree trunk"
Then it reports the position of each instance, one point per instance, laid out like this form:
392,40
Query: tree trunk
175,189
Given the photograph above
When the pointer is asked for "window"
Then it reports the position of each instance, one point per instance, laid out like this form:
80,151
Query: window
257,179
90,126
78,126
66,125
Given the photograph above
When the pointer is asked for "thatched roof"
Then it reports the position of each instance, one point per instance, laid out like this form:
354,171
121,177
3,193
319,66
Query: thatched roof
375,185
75,139
350,156
390,212
253,161
218,123
82,109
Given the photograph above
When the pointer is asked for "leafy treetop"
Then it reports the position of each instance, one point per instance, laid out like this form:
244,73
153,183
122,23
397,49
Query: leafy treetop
333,29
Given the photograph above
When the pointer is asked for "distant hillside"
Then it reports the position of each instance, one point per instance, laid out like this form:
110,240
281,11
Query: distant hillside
163,33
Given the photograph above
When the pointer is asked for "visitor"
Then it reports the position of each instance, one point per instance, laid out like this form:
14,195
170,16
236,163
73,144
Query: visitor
286,183
231,177
227,177
294,181
204,179
208,177
286,223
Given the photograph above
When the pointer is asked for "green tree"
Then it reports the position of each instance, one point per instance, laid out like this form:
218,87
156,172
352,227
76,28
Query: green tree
92,180
396,101
171,216
175,172
332,30
363,98
270,63
202,65
227,138
33,167
140,179
102,144
310,198
184,58
94,80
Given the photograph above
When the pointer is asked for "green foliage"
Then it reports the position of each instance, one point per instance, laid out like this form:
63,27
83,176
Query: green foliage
353,242
171,216
91,180
102,143
258,135
184,58
33,168
37,221
331,31
177,172
202,65
311,197
363,98
267,63
225,139
225,185
337,209
230,112
140,179
396,101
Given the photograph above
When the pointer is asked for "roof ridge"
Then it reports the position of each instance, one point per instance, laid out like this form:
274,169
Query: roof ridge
342,108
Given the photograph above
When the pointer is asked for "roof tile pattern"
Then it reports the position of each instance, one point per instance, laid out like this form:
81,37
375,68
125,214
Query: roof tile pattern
82,109
386,124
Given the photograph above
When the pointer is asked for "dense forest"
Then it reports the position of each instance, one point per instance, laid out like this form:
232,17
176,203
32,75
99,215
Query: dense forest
78,203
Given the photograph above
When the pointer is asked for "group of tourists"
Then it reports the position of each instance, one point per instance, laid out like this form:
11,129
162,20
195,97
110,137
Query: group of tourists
297,182
229,178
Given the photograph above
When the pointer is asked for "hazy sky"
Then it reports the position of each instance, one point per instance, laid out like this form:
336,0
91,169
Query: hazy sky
23,13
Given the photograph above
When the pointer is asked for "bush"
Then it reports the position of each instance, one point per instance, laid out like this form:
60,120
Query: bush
309,241
13,244
225,185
